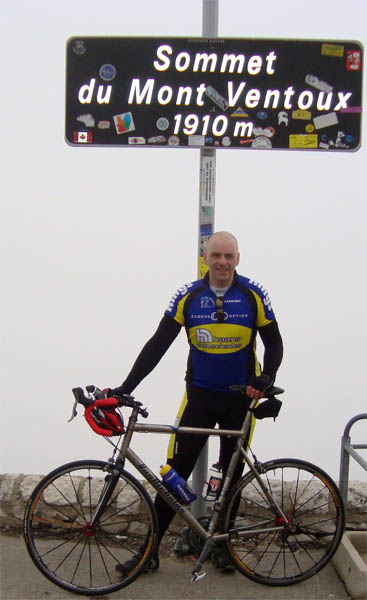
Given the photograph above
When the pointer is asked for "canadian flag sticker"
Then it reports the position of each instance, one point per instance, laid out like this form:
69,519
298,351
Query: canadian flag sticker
83,137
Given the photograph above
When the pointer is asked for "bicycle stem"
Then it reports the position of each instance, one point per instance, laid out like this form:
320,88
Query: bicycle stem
128,435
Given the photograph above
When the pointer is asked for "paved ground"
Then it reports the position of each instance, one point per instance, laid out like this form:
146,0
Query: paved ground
21,580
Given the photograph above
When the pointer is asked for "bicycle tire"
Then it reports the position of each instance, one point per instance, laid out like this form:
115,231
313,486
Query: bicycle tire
66,550
312,502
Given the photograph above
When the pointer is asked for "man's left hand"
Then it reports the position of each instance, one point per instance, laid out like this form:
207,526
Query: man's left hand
258,385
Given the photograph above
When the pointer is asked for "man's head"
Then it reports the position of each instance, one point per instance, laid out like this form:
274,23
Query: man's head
221,256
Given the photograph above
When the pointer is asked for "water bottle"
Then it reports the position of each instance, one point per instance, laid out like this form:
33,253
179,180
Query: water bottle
214,481
178,485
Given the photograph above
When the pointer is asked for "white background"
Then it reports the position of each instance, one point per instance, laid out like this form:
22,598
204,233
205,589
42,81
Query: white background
96,240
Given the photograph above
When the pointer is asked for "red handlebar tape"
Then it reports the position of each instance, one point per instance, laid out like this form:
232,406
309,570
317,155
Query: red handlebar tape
111,418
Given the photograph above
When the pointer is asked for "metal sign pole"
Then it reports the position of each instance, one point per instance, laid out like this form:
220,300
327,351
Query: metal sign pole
206,228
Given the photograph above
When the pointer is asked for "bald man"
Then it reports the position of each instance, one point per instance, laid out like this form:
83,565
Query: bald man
222,314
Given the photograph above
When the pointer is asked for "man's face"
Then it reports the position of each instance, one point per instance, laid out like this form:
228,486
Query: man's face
221,257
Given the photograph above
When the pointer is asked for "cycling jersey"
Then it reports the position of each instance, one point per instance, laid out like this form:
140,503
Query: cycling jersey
221,353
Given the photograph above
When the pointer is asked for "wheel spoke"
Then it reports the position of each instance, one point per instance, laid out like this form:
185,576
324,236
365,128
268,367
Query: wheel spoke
292,553
59,546
99,544
67,501
78,561
308,532
71,552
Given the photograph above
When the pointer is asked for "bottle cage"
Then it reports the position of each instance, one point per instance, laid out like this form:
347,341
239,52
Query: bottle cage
103,418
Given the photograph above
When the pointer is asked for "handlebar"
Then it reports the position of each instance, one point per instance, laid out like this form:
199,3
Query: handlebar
98,398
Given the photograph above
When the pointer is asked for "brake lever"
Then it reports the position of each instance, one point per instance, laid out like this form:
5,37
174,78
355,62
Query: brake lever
94,393
74,412
81,398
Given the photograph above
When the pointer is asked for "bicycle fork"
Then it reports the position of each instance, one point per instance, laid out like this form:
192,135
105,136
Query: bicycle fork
111,481
114,473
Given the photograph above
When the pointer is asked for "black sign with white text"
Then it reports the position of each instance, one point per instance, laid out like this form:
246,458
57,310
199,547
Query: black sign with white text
214,93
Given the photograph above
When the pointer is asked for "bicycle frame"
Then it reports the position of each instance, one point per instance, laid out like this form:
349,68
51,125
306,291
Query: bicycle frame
280,523
209,536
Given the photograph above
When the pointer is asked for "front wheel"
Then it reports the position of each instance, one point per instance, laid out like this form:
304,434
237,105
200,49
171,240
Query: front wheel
269,550
76,555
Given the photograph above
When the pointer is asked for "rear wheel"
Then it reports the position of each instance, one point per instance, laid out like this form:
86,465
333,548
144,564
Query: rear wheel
69,551
264,547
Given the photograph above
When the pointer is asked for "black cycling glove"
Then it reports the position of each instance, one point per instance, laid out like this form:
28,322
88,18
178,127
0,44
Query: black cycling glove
119,391
262,382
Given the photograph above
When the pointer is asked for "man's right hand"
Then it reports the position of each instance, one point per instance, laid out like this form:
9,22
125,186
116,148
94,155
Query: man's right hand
119,391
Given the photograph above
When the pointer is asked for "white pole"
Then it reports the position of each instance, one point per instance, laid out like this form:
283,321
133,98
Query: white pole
206,227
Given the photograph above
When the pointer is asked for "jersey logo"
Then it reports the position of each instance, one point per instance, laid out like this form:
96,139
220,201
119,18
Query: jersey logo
266,297
214,316
207,302
182,291
203,336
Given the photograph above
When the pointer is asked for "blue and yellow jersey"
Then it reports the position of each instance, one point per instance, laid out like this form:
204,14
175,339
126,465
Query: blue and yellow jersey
221,353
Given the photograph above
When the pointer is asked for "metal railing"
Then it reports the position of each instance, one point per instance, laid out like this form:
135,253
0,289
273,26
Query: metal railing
347,450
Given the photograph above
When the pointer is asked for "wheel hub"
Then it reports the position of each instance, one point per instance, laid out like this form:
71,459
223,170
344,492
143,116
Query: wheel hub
90,530
290,526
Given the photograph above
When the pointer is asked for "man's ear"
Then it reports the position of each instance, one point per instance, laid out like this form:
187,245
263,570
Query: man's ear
238,259
205,258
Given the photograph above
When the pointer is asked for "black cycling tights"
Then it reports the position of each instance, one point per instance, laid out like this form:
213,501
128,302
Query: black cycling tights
203,409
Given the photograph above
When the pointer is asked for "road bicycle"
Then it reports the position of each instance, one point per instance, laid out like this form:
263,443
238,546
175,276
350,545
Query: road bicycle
281,522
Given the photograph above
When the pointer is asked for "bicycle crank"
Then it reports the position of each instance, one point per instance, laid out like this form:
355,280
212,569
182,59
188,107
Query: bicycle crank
197,575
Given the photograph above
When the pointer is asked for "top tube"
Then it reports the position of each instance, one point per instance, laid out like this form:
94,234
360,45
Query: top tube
169,429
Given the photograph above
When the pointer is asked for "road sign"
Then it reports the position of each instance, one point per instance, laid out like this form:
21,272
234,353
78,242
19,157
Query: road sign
214,93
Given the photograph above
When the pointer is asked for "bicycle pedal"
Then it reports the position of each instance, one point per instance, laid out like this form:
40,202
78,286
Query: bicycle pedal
197,576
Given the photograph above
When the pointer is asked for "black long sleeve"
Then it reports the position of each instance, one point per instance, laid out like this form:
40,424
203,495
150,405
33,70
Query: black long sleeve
273,348
155,348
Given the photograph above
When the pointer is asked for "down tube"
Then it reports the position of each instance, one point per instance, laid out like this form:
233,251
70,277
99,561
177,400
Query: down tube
164,493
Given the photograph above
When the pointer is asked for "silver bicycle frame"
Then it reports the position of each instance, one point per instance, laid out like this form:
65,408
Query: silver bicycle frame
125,452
